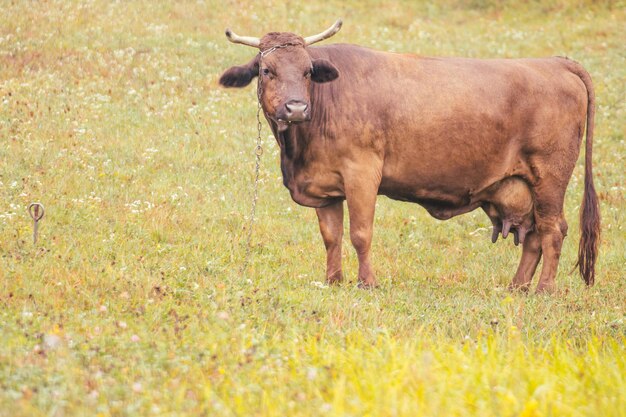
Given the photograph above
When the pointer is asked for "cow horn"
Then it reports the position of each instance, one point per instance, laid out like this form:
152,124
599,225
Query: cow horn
244,40
310,40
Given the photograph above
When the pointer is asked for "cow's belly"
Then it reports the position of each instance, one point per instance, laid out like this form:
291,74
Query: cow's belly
441,203
447,189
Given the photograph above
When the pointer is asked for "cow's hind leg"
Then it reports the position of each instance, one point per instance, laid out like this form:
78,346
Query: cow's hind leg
551,228
552,231
331,228
531,254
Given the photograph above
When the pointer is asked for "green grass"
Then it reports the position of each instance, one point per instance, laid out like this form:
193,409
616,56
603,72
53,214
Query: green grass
133,303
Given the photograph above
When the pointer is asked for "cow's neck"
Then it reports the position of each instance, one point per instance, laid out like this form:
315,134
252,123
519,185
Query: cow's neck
292,145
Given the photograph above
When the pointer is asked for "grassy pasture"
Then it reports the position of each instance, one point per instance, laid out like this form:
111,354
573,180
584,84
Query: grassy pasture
132,302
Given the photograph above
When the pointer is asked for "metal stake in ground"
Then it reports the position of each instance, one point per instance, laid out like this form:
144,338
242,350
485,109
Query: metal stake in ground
36,212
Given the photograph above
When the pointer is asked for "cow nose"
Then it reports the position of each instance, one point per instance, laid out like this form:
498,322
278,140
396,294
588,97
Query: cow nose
296,110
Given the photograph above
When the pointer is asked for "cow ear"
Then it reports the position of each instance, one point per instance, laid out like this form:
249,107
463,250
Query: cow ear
323,71
240,75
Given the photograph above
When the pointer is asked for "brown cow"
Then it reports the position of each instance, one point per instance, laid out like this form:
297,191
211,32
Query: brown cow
450,134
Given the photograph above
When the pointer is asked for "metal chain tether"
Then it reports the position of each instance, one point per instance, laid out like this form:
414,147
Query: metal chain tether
258,151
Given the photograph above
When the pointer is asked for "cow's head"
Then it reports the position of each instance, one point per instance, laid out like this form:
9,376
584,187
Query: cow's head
286,71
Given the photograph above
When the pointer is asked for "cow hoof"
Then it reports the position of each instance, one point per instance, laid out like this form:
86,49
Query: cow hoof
519,288
335,279
368,284
545,288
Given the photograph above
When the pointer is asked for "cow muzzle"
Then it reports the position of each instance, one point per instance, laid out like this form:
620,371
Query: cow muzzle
296,111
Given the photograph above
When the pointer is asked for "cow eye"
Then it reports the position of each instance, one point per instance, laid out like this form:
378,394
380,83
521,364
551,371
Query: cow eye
266,71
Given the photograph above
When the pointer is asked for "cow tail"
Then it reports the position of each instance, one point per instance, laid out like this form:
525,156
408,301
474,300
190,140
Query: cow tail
589,209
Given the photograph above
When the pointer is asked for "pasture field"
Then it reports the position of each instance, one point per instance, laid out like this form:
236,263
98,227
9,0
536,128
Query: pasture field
133,302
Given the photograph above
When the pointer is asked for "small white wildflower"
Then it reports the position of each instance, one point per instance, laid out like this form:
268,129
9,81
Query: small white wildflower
51,341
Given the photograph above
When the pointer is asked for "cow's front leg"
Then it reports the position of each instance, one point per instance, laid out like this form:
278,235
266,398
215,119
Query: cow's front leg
331,228
361,198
